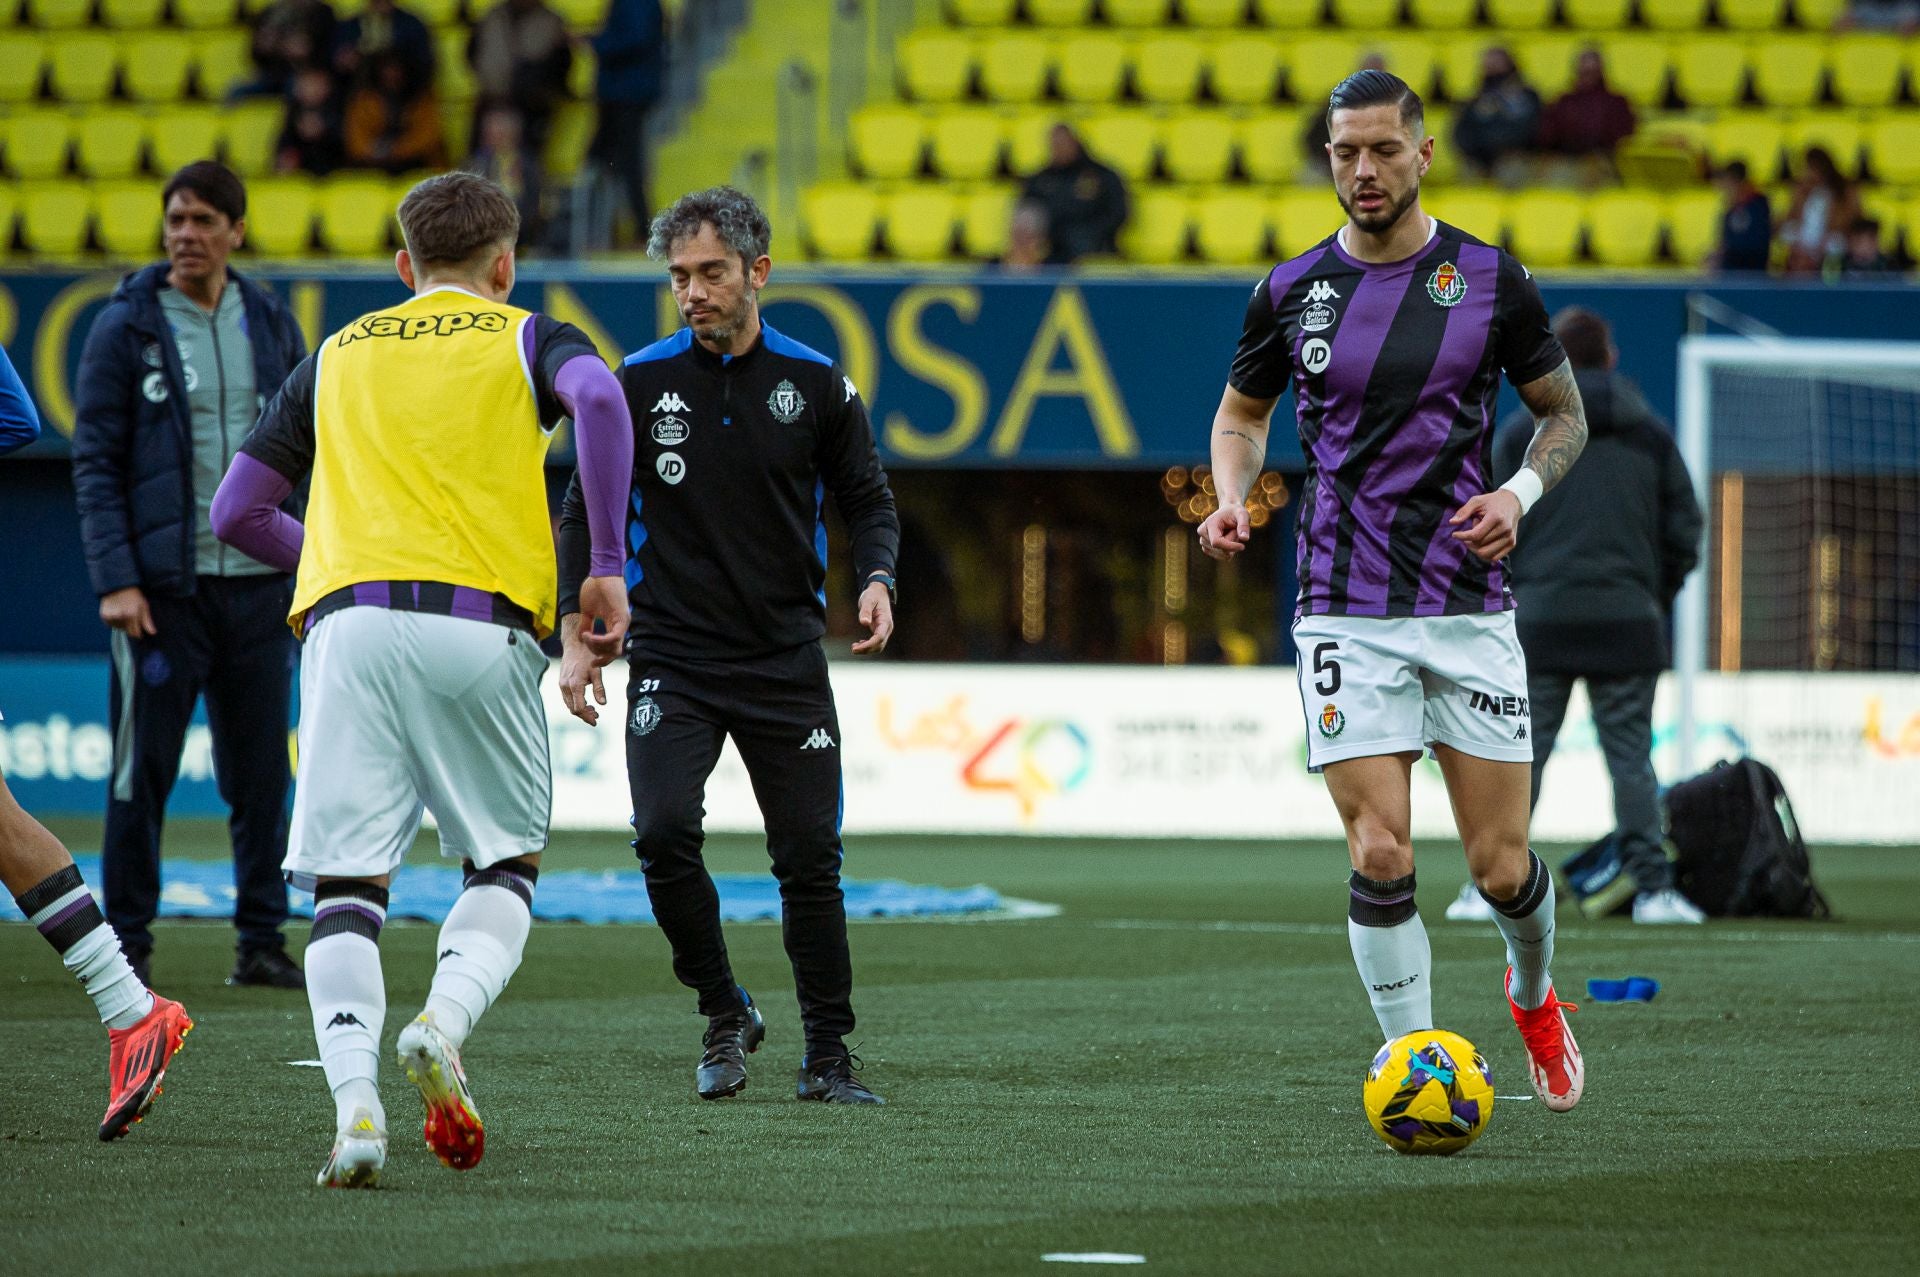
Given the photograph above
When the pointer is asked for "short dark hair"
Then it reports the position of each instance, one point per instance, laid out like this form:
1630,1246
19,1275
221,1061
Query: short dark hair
1377,88
451,219
213,182
733,214
1585,337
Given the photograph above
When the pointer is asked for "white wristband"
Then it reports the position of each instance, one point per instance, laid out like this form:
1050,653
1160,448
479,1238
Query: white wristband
1527,486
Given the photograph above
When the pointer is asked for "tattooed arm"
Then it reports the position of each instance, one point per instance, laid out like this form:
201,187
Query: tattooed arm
1492,519
1239,448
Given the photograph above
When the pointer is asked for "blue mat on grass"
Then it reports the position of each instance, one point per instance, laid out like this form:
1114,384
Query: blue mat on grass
204,889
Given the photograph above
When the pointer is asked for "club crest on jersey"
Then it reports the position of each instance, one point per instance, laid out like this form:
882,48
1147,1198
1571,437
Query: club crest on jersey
1447,286
670,402
786,403
1332,721
646,716
670,430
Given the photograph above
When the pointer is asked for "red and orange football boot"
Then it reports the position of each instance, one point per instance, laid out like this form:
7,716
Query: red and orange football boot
1553,1057
137,1060
432,1062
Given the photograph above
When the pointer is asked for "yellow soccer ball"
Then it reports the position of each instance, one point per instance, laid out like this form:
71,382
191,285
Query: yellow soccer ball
1428,1092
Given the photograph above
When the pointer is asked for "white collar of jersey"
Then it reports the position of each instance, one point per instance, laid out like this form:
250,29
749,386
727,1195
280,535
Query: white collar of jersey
1433,229
449,288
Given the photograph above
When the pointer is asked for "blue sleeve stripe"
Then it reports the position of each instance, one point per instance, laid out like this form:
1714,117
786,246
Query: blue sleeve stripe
781,344
636,537
820,532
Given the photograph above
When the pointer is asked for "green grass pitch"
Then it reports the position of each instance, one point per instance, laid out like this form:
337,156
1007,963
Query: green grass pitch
1171,1068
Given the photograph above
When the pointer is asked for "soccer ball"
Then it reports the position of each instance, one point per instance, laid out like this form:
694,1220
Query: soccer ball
1428,1092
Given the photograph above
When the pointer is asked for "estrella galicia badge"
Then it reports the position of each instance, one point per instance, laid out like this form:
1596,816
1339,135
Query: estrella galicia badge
670,430
646,716
155,668
1447,285
1318,317
1332,721
786,403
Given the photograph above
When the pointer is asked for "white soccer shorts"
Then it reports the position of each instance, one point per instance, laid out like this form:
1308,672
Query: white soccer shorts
1392,685
407,712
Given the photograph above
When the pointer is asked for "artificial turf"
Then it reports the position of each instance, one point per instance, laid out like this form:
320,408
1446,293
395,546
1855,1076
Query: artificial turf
1171,1067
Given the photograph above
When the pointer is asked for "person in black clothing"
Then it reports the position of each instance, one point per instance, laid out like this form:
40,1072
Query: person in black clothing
1085,201
740,431
1746,223
1594,580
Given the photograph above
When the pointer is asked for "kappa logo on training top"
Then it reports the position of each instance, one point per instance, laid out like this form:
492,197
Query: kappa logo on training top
670,402
1322,291
819,740
1447,285
852,394
786,403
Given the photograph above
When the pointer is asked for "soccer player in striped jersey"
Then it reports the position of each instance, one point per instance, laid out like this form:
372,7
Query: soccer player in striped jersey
1393,334
144,1030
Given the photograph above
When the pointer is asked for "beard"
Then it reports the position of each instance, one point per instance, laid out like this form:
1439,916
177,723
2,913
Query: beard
1388,217
721,329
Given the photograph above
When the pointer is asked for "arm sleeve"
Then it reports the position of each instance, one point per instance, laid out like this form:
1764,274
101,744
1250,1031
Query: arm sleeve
575,546
283,437
1263,362
603,440
850,466
1680,524
246,514
1528,349
552,345
102,434
19,422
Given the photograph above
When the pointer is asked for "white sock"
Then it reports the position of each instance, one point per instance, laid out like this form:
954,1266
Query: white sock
1526,921
348,994
64,911
1390,948
480,946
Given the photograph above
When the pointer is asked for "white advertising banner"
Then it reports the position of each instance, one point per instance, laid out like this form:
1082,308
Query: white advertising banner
1192,752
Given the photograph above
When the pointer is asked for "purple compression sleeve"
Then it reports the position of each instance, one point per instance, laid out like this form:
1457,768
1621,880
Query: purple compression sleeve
247,516
603,440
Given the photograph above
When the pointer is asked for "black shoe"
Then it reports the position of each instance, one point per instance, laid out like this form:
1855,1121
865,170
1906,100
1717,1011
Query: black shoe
831,1080
141,960
267,968
729,1040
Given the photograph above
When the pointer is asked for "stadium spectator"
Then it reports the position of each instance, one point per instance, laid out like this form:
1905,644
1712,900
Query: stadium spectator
171,378
383,29
503,156
1501,122
1589,119
1902,16
1864,255
1824,205
288,37
631,50
1594,580
393,124
1085,201
1746,224
520,54
1027,245
313,138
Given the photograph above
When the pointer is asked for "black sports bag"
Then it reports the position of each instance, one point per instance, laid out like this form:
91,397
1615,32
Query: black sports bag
1738,848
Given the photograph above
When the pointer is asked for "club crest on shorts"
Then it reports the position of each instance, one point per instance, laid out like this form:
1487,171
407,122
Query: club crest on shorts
1332,721
1447,286
646,716
786,403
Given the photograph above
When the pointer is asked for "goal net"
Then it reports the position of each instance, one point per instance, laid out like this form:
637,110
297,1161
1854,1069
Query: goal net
1798,639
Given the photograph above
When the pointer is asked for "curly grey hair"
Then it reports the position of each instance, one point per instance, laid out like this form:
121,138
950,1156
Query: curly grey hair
733,214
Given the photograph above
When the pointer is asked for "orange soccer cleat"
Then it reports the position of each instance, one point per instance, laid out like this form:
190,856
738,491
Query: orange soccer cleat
1553,1057
432,1063
136,1062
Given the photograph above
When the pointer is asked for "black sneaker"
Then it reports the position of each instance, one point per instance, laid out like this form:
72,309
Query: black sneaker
728,1041
831,1080
267,968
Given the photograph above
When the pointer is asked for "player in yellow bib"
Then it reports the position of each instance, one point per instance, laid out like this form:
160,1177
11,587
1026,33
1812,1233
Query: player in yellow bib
425,582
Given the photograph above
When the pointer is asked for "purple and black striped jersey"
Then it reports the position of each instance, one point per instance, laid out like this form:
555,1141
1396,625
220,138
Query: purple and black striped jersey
1395,369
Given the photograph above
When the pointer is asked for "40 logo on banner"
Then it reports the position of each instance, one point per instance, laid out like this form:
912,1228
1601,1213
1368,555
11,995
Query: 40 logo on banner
1029,759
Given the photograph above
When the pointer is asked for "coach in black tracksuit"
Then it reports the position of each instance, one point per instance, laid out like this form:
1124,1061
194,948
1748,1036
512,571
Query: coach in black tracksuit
740,432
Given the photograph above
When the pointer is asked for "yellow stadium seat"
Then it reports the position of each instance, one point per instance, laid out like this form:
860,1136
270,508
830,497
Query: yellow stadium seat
1895,142
155,66
1457,63
59,14
1597,15
1286,14
1270,146
1520,15
110,143
1244,70
1304,216
1623,227
1125,140
1866,69
1027,139
204,15
986,213
581,15
252,129
83,67
55,216
935,65
1753,15
1197,147
1446,15
1693,224
1136,13
568,138
1091,67
1788,69
23,60
354,213
580,72
1479,211
982,13
1709,70
1316,63
1411,57
132,13
1156,229
1168,69
127,218
887,140
37,142
1013,66
1543,227
181,135
221,61
1060,13
840,220
966,143
1365,16
1230,227
1547,61
1749,136
1842,133
1637,67
919,221
280,216
1818,15
1446,160
446,13
1675,15
453,77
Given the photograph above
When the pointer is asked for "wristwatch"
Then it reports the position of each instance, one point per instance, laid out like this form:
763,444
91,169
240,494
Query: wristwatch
886,579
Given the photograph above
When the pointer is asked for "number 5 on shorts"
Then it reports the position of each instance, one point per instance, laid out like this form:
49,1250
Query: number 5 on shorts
1324,664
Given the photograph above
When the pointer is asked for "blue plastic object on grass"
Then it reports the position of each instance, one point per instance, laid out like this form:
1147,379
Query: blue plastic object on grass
1637,988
